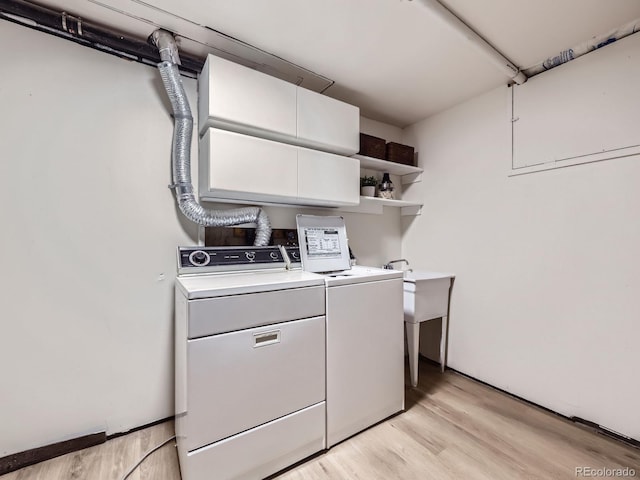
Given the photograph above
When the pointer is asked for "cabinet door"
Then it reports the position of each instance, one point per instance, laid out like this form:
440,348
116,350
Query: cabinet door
238,98
241,167
327,179
327,124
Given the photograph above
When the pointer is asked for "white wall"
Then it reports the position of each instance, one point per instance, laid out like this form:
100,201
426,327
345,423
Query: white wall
381,130
374,239
88,243
545,303
89,232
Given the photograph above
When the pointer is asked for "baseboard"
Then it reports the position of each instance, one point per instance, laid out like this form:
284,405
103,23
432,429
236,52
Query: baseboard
20,460
141,427
576,420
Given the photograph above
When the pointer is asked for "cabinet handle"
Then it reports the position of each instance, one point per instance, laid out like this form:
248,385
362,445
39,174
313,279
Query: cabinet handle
266,338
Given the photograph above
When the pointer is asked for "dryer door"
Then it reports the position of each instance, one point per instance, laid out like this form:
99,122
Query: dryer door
239,380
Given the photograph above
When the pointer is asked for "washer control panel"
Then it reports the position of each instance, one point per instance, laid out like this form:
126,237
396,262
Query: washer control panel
227,259
294,255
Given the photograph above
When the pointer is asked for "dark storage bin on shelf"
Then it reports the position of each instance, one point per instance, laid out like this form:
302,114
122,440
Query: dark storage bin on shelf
371,146
398,153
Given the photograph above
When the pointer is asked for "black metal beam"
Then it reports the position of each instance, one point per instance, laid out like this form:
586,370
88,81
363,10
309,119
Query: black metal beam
88,33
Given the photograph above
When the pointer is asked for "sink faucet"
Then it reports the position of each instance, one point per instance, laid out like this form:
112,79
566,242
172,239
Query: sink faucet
388,266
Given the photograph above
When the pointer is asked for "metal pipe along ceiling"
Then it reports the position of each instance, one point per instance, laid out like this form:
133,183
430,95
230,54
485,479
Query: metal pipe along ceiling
590,45
89,33
496,58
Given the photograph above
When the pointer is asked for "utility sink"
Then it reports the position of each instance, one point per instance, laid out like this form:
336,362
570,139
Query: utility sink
426,297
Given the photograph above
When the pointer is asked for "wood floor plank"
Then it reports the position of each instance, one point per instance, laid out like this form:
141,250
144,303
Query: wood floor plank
453,428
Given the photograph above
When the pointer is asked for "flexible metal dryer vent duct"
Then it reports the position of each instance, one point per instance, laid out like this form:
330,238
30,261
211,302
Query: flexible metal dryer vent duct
181,154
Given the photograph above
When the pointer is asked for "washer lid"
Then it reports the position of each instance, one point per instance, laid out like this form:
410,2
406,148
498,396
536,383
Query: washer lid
323,243
360,274
222,284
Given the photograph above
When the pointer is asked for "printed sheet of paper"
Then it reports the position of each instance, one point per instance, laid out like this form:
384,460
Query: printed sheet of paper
322,242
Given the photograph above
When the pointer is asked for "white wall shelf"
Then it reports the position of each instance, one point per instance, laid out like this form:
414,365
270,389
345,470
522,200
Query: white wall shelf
374,205
407,173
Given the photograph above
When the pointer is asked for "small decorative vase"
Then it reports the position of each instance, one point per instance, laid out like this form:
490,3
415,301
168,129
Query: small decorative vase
368,191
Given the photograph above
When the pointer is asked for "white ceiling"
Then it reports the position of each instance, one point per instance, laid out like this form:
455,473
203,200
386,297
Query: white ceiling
392,58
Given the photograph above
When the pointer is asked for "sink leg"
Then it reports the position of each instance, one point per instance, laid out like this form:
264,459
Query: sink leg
443,343
413,344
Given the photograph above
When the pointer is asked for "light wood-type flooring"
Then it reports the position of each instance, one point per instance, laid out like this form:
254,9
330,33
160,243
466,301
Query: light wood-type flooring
453,428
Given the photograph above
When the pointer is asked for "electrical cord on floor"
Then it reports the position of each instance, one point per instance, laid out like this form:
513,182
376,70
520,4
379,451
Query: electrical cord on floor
157,447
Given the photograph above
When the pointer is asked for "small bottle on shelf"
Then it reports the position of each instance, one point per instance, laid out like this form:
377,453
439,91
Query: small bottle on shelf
385,189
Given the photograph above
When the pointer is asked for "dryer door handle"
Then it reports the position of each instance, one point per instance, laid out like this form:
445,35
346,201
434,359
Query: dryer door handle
266,338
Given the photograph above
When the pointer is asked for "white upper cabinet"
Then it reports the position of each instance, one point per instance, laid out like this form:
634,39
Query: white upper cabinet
327,124
239,167
253,130
238,98
242,168
324,178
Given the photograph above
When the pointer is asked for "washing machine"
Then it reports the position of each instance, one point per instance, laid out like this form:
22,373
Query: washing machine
364,329
250,362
